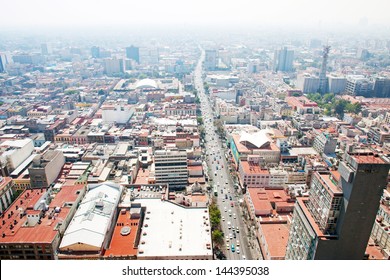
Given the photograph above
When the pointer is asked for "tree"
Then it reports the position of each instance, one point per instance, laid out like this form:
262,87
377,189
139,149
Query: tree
200,120
217,237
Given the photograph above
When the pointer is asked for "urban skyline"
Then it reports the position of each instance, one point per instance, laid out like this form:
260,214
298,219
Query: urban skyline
131,131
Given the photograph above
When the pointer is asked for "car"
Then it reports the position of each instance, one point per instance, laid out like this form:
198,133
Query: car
230,213
226,182
243,257
226,196
230,235
234,235
223,218
234,215
238,250
230,197
238,243
233,248
227,246
221,191
225,209
237,230
227,239
232,204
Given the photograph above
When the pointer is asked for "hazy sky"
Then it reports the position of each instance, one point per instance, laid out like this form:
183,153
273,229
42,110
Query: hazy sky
53,13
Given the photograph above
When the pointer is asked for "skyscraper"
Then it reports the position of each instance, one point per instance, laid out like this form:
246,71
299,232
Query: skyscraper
323,79
3,61
210,62
335,221
133,53
283,60
95,52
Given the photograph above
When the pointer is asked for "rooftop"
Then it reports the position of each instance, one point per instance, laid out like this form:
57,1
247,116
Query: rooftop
122,241
276,237
171,230
93,217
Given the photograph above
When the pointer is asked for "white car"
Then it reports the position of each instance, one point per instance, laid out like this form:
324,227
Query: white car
238,243
223,218
243,257
238,250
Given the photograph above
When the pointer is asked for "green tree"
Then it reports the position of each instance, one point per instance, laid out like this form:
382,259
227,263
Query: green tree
217,237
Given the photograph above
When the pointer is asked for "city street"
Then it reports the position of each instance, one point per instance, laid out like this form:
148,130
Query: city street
236,238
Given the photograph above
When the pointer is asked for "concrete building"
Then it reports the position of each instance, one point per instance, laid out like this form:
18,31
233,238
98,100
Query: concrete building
6,193
119,113
114,66
32,228
13,153
132,53
171,168
45,168
336,220
358,85
325,144
302,105
337,84
381,229
283,60
173,232
308,83
89,232
211,60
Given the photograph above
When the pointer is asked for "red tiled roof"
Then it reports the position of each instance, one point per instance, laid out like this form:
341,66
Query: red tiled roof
123,245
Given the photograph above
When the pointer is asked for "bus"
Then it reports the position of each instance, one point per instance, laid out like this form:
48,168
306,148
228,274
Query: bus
215,191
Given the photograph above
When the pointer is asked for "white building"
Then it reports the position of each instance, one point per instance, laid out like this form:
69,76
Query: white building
14,152
117,113
89,230
308,83
174,232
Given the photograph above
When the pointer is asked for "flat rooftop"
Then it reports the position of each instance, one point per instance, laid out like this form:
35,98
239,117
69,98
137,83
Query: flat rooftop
276,237
172,231
122,245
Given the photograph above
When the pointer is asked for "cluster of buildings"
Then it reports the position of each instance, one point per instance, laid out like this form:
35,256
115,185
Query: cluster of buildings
101,153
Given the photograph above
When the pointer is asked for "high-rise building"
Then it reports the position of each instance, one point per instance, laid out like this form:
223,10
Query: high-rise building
358,85
3,62
323,88
336,220
283,60
45,49
113,66
171,168
381,87
210,62
95,52
337,83
133,53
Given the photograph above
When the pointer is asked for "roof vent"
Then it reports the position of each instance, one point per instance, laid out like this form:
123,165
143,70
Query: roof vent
125,230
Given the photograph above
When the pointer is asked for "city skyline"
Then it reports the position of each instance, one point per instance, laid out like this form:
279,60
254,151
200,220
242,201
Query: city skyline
300,13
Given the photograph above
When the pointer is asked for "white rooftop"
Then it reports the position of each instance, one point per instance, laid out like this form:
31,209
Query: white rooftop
93,217
173,230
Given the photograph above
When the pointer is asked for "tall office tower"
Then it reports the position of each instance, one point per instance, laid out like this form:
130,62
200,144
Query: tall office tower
45,49
335,221
3,61
210,62
323,79
171,168
95,52
133,53
283,60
